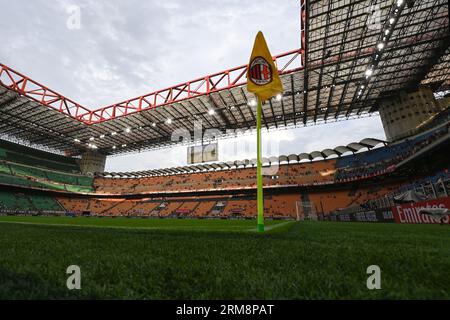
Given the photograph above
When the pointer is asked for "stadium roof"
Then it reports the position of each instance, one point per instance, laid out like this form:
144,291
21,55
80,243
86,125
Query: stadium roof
356,51
368,143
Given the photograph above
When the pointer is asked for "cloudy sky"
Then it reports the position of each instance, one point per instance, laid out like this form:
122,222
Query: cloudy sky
122,49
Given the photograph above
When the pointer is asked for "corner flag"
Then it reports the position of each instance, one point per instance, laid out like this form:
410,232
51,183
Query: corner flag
263,80
262,74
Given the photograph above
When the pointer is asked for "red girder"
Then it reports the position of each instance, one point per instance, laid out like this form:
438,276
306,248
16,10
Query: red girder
202,86
35,91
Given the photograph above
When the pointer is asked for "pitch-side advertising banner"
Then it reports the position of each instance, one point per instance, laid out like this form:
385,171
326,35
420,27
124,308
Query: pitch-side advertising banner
409,213
378,215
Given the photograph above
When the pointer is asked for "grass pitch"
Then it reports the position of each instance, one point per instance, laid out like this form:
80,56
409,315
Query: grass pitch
220,259
146,224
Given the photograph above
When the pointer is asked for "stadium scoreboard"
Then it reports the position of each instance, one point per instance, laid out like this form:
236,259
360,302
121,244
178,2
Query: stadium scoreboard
203,153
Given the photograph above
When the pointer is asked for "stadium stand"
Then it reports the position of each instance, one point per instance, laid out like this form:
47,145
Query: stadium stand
75,205
24,203
423,190
431,187
359,165
300,174
406,100
21,154
381,160
27,167
319,185
436,121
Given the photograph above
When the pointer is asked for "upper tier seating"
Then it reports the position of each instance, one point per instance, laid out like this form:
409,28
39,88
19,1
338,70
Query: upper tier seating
437,120
27,167
397,150
365,164
20,154
294,174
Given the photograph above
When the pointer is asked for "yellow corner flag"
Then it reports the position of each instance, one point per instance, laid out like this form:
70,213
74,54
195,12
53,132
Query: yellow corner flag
262,74
263,80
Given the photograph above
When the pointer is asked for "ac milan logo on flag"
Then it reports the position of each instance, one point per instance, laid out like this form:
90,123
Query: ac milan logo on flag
260,71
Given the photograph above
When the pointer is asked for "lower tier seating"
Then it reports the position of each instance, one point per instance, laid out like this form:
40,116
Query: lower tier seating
25,202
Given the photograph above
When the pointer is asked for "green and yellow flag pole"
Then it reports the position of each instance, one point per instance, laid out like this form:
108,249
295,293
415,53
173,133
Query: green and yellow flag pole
262,80
259,196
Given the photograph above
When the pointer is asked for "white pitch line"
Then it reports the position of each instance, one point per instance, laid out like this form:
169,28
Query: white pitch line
77,225
181,228
274,226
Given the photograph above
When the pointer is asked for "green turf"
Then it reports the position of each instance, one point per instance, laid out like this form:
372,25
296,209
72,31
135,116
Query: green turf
138,223
306,260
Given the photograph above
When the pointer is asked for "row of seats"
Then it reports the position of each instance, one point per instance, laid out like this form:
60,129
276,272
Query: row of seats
31,182
21,154
376,161
238,206
434,186
28,167
390,151
301,174
61,177
14,171
357,166
293,205
327,202
21,202
22,175
276,206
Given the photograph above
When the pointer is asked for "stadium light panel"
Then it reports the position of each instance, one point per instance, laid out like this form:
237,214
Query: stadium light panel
211,112
279,97
127,130
169,121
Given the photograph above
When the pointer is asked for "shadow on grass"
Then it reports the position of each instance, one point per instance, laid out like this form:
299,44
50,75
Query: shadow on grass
30,286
